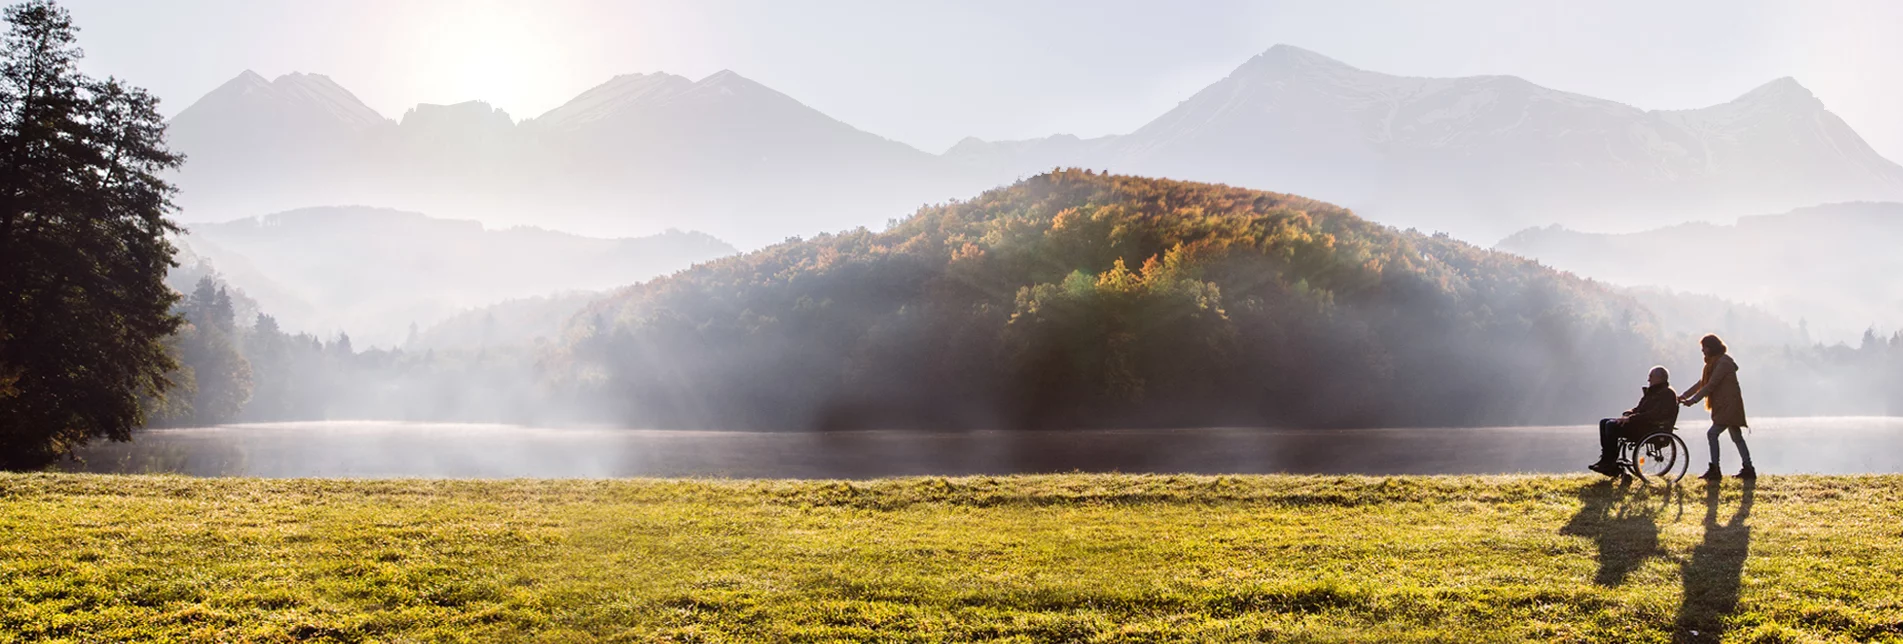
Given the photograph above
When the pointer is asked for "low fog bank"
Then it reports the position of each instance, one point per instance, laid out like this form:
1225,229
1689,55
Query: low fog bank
239,364
742,379
1068,301
384,276
407,449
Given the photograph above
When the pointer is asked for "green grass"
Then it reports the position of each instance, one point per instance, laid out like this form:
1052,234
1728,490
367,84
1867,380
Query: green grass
1042,558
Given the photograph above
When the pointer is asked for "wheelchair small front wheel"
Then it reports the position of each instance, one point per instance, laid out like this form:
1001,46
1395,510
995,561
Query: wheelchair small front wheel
1659,457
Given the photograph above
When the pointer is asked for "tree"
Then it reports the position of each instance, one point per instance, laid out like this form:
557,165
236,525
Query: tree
221,377
84,310
210,305
267,349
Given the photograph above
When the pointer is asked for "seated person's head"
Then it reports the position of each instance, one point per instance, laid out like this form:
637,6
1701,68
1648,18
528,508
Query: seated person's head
1659,376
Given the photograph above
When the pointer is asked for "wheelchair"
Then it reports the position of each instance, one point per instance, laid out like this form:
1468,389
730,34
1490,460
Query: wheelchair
1659,457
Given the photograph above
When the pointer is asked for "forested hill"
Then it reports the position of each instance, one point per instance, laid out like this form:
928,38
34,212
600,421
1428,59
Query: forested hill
1079,299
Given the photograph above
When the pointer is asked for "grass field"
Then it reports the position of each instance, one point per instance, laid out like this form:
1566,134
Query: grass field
1042,558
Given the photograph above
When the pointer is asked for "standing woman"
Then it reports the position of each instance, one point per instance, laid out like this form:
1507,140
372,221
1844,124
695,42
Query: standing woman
1719,390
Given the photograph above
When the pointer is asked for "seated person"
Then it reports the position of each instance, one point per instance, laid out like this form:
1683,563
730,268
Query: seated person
1657,410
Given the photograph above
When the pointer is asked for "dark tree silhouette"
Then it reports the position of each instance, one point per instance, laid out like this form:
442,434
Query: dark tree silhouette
84,309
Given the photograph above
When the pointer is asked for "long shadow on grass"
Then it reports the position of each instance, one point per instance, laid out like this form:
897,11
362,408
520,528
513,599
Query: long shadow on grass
1623,523
1716,570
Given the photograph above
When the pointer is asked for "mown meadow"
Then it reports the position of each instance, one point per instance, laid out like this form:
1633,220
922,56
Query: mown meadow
1088,558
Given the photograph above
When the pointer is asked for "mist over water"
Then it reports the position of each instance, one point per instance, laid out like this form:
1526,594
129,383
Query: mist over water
347,449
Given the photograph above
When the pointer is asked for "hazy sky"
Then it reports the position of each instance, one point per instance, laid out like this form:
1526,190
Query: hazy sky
930,73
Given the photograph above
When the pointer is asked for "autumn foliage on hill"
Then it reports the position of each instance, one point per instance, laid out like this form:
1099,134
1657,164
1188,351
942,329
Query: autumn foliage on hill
1078,299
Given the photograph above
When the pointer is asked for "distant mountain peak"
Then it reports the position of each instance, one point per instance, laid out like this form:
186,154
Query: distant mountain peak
1292,58
1780,100
731,90
623,92
637,80
307,94
1782,91
313,78
728,82
1283,51
244,83
1286,62
248,77
465,114
1782,84
327,94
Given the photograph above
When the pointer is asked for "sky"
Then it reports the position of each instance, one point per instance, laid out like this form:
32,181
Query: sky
929,73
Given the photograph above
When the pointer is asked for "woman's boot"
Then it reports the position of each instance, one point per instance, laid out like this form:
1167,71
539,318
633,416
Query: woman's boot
1712,473
1748,472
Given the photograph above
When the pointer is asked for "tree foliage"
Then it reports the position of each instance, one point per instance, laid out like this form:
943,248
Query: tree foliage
213,382
83,251
1078,299
257,371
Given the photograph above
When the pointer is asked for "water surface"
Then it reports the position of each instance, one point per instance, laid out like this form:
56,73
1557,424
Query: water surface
1842,445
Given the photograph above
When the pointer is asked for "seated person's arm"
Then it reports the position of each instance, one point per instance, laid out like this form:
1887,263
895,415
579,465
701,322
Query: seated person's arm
1636,409
1654,410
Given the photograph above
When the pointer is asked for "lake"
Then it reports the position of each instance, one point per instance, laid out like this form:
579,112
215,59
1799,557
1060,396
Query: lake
353,449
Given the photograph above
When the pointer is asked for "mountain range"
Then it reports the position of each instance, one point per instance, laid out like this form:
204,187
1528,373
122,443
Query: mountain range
1479,157
638,154
375,272
1828,269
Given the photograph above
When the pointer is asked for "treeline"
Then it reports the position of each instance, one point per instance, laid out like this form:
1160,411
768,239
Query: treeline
229,372
1825,380
1077,299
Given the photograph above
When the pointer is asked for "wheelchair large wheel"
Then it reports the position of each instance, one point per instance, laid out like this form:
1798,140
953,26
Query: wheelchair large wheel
1660,457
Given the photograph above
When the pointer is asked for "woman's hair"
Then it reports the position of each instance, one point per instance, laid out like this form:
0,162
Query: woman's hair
1712,344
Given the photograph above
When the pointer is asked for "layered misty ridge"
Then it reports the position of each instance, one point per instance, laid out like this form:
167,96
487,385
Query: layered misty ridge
1479,157
639,154
390,278
1482,157
1069,298
1826,273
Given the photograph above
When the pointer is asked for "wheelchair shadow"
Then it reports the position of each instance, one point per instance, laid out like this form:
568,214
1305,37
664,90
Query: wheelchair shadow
1715,574
1622,520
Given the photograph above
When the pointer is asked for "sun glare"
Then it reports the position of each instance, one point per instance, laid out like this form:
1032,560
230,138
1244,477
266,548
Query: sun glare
505,53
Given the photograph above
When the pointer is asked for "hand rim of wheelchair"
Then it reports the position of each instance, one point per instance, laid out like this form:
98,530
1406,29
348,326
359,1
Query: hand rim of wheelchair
1659,456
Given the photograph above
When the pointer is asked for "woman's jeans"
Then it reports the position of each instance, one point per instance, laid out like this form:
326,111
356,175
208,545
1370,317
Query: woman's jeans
1737,438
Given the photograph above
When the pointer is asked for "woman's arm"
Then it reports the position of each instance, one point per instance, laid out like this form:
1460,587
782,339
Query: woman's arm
1689,396
1719,372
